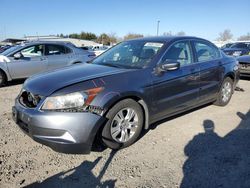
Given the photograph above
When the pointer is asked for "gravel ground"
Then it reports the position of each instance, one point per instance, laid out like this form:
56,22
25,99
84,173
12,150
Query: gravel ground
207,147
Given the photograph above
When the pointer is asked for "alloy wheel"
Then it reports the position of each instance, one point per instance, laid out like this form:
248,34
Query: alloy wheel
124,125
226,91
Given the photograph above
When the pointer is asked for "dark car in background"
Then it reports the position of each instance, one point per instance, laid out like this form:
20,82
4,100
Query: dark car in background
124,90
227,45
238,49
4,48
244,62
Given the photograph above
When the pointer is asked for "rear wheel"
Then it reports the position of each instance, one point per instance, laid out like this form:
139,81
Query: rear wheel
124,125
226,92
2,78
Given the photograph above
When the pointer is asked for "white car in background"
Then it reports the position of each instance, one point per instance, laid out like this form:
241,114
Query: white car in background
96,49
23,61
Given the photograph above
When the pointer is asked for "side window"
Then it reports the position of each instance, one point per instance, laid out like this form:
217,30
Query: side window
206,52
55,49
180,52
33,51
67,50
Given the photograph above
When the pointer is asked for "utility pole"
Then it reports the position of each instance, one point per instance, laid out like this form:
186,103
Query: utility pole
158,25
4,32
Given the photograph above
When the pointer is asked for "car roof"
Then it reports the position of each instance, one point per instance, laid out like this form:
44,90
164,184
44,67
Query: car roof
165,38
48,42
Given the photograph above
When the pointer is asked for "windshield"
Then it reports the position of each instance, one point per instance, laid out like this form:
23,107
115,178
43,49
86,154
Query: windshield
8,51
129,54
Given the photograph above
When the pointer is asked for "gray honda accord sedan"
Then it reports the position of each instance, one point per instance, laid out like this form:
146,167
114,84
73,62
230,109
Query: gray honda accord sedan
123,91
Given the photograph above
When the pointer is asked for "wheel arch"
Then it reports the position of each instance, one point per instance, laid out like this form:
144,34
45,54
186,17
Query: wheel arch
5,74
136,98
230,75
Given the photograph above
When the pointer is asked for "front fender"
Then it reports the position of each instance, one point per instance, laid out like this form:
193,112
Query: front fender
108,100
4,68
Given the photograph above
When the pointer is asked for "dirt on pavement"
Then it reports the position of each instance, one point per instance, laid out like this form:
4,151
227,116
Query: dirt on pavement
207,147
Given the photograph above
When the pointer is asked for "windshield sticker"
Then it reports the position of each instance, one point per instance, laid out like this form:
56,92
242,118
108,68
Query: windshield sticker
154,44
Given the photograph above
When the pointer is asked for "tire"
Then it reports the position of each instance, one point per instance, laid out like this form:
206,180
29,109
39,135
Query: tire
122,129
225,93
2,78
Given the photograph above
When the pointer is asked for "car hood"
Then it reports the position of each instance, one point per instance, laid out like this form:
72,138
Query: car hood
245,59
46,83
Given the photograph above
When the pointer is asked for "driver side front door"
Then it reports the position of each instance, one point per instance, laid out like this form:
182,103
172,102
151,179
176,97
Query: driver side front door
176,90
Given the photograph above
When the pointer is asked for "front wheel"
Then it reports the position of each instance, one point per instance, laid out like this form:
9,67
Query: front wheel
124,125
225,93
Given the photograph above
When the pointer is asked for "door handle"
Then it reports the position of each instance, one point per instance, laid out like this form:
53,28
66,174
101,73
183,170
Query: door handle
193,77
42,58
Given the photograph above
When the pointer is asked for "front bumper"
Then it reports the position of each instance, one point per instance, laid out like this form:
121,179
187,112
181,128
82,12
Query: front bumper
245,72
71,133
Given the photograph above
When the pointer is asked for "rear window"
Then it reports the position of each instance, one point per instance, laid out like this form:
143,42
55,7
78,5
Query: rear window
67,50
206,52
52,49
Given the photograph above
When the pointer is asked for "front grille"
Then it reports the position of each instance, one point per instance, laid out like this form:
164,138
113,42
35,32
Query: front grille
29,100
23,126
245,66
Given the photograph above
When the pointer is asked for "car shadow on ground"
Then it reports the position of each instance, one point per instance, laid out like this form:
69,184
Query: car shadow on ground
215,161
245,78
14,82
81,176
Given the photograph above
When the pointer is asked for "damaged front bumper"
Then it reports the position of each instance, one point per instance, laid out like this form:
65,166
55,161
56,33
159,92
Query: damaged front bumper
66,132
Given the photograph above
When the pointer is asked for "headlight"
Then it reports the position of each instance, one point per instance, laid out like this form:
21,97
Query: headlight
4,59
72,100
237,53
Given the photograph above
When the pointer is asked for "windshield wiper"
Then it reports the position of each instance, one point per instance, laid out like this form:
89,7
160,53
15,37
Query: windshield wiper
112,65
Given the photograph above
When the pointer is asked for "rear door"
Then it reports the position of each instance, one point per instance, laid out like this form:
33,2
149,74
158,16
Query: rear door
58,56
211,70
178,89
32,61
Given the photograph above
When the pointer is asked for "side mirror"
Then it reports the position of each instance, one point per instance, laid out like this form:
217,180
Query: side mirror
18,55
168,65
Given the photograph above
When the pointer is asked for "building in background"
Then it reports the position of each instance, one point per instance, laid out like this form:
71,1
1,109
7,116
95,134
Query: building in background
12,41
76,42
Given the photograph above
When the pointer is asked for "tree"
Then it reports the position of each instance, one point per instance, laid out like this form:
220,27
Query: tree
181,33
104,39
169,33
83,35
107,39
113,38
244,37
132,36
225,35
87,36
74,35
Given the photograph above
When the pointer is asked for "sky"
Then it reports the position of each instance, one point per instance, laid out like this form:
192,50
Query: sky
201,18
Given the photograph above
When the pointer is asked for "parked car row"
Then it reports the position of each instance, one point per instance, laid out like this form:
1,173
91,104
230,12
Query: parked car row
244,62
22,61
237,49
5,47
98,50
121,92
